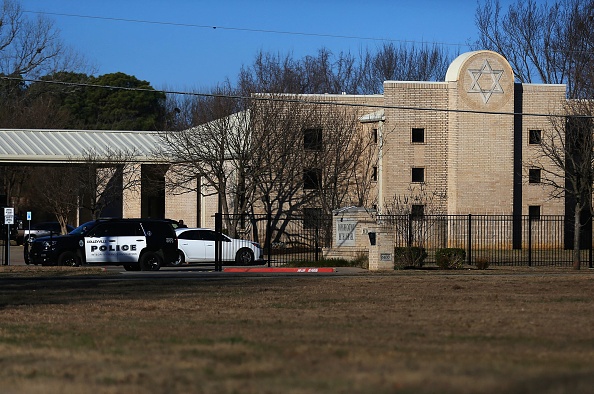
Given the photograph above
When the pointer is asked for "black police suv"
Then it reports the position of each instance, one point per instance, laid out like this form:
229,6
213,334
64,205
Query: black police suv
137,244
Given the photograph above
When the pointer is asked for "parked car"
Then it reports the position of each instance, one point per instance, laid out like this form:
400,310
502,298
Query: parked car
42,229
137,244
197,245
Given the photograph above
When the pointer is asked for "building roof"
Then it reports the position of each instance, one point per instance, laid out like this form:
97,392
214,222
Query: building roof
377,116
61,146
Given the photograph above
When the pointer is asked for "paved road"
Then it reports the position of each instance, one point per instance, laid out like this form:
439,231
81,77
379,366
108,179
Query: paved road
16,258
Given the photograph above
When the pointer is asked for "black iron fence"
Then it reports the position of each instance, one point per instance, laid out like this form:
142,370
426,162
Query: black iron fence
287,238
496,239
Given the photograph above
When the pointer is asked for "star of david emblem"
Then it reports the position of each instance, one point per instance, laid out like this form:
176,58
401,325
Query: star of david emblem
485,76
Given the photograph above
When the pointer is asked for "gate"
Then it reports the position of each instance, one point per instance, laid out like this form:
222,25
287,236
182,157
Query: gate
286,238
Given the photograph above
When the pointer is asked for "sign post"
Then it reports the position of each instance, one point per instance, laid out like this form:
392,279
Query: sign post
8,220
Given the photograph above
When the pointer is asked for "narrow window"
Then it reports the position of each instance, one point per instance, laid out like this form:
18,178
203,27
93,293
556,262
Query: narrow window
417,211
374,174
534,175
418,136
418,175
374,136
534,137
312,178
534,212
312,139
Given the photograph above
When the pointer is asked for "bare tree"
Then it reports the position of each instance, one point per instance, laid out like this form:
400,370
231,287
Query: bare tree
102,179
56,188
566,162
543,43
31,46
406,214
218,152
405,62
344,155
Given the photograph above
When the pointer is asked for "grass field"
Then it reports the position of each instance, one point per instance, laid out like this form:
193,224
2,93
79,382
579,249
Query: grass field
493,331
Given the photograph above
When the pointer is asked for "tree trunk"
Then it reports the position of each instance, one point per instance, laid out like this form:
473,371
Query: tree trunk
576,238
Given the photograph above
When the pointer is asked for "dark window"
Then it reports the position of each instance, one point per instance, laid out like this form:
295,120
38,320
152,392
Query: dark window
102,230
374,135
534,175
312,139
417,211
534,212
190,235
418,175
312,217
117,229
158,229
312,178
374,174
418,135
202,235
534,137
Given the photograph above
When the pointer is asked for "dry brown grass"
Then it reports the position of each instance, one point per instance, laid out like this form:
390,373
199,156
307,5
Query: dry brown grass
408,332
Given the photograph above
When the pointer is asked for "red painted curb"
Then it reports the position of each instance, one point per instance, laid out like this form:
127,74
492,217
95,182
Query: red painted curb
280,269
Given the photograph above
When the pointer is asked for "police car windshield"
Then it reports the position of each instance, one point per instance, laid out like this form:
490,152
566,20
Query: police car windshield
83,228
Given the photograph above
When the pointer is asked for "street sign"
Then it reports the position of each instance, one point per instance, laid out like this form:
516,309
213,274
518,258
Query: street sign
28,215
8,215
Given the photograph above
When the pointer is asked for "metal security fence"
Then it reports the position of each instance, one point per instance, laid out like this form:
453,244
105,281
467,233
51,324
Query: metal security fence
497,239
287,238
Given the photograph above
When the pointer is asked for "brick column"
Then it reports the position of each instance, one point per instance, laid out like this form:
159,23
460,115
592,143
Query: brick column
381,255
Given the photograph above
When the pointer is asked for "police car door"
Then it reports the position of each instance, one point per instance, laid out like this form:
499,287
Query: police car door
112,242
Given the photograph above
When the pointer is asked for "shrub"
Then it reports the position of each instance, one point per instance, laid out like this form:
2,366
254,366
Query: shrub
450,258
482,263
409,257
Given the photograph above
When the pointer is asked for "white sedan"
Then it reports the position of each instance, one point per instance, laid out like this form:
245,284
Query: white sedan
197,245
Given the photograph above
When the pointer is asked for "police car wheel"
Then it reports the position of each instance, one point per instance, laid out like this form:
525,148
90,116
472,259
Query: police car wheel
69,259
150,261
244,256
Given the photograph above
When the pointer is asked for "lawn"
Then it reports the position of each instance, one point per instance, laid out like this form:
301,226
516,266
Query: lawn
492,331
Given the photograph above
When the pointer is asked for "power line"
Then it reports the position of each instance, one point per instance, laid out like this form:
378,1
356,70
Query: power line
291,98
231,28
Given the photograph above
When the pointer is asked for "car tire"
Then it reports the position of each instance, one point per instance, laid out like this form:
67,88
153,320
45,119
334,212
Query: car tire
69,259
132,267
181,259
150,261
244,256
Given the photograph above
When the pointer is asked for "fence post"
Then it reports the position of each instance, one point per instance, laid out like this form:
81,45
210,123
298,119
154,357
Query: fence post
529,240
410,231
316,242
268,241
590,250
469,239
218,243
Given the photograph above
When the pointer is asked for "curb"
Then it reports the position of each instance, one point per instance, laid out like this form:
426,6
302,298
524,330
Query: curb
282,270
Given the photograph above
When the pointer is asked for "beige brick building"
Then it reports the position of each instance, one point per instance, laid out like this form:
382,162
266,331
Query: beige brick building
465,140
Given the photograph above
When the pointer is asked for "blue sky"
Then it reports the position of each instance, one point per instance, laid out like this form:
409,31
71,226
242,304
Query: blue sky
171,56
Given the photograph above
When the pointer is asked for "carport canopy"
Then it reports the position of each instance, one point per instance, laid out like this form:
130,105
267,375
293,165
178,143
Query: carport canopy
67,146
